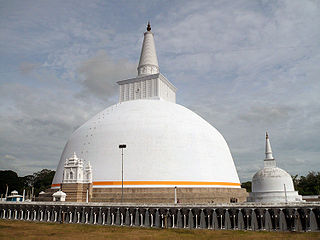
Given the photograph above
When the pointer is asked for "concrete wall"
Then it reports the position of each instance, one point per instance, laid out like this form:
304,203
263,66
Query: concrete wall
294,217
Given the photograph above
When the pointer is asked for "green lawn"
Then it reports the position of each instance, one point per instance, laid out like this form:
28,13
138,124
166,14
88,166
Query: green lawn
33,230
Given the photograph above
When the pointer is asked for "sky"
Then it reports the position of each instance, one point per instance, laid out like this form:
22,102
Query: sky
247,67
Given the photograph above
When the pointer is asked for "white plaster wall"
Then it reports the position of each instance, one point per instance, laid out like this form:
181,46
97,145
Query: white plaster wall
148,63
166,92
150,86
275,197
271,180
165,142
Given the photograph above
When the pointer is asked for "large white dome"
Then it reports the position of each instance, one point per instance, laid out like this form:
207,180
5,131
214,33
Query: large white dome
167,145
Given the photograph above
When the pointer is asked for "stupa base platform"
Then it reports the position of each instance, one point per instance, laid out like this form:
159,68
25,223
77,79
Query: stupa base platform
167,195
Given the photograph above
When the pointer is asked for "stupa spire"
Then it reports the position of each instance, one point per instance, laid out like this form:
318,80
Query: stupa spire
269,160
148,63
149,26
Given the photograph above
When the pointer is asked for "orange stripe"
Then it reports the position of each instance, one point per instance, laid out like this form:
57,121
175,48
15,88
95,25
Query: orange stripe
109,183
117,183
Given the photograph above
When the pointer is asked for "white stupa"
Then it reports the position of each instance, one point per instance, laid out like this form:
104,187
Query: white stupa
272,184
59,196
167,144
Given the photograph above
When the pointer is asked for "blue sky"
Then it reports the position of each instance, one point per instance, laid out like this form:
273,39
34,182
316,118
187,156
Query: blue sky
244,66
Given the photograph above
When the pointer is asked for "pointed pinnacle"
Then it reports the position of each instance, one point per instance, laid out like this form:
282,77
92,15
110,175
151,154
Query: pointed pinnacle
148,27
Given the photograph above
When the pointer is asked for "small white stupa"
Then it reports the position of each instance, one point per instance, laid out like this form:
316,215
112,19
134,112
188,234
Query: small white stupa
59,196
272,184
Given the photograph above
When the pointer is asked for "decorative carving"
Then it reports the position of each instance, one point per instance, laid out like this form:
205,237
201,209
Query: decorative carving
76,172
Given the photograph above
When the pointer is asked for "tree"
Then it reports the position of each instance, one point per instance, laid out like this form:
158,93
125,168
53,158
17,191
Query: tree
42,180
28,182
310,184
295,180
247,186
10,178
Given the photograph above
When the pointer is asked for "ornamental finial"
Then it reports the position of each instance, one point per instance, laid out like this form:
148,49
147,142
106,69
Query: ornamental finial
148,27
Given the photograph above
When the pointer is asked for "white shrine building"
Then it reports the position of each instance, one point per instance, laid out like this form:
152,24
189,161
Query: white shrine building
75,171
272,184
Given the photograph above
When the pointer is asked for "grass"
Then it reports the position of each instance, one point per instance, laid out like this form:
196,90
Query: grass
35,230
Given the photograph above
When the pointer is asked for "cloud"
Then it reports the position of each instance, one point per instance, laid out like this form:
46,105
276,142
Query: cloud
9,157
36,123
27,67
252,67
266,114
244,66
100,74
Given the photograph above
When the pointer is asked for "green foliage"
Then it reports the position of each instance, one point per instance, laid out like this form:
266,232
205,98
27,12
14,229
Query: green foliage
308,185
40,181
247,186
28,182
10,178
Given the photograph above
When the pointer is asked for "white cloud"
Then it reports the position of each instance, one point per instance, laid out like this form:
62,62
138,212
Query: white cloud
252,66
101,74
